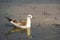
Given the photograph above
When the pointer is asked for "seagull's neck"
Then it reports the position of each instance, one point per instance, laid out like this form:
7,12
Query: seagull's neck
28,22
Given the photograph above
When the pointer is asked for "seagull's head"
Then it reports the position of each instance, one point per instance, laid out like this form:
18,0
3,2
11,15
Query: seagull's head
29,16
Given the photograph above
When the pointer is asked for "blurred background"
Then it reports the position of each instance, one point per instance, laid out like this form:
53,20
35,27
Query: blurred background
46,22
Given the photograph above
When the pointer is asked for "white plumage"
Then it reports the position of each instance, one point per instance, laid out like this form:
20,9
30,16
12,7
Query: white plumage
23,24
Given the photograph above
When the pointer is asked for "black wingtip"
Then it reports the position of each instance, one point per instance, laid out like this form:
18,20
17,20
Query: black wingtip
9,19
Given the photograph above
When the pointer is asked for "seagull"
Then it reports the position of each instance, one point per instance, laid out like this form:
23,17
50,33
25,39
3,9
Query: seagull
21,26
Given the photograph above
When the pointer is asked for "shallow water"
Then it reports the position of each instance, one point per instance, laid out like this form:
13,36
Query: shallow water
40,30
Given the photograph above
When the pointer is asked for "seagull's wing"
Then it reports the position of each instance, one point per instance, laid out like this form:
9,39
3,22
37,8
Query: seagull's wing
23,23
